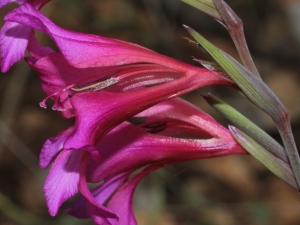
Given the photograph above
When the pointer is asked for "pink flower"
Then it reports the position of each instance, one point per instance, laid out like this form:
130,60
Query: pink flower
14,36
154,143
103,82
92,63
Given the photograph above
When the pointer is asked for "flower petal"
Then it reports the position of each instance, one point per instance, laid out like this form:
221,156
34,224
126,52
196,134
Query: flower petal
62,180
85,50
13,43
36,50
101,195
182,110
14,36
121,202
53,146
100,214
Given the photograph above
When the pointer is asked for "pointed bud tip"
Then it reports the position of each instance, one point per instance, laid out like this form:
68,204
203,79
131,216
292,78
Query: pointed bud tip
232,129
186,27
197,60
207,97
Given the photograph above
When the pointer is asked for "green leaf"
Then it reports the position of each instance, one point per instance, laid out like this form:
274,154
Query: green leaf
256,90
247,126
274,164
206,6
220,11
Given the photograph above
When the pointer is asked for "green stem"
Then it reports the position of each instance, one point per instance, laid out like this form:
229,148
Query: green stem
286,134
235,28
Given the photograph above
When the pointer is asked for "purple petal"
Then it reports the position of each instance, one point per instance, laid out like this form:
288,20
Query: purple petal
101,195
36,50
14,36
13,43
182,110
85,50
53,146
62,180
99,213
82,50
102,215
121,202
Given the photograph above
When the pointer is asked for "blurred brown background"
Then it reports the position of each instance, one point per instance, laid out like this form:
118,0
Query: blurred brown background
222,191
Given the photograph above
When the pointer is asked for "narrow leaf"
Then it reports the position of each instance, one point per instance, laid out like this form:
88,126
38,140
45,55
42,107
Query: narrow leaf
256,90
206,6
274,164
220,11
247,126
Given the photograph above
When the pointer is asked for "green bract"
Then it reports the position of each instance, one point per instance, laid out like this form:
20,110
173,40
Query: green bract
276,165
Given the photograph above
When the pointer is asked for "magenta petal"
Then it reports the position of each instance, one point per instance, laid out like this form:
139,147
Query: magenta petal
13,43
56,74
53,146
121,202
100,214
101,195
62,180
85,50
14,36
182,110
36,50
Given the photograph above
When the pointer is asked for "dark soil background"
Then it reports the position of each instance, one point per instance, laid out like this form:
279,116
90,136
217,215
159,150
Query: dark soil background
221,191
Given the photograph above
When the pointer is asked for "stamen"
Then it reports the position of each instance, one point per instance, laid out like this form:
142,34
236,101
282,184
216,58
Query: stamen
57,94
97,86
148,83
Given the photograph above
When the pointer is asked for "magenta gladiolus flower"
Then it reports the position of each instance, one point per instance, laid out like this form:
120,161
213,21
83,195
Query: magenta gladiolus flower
92,63
104,82
14,36
129,120
153,143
